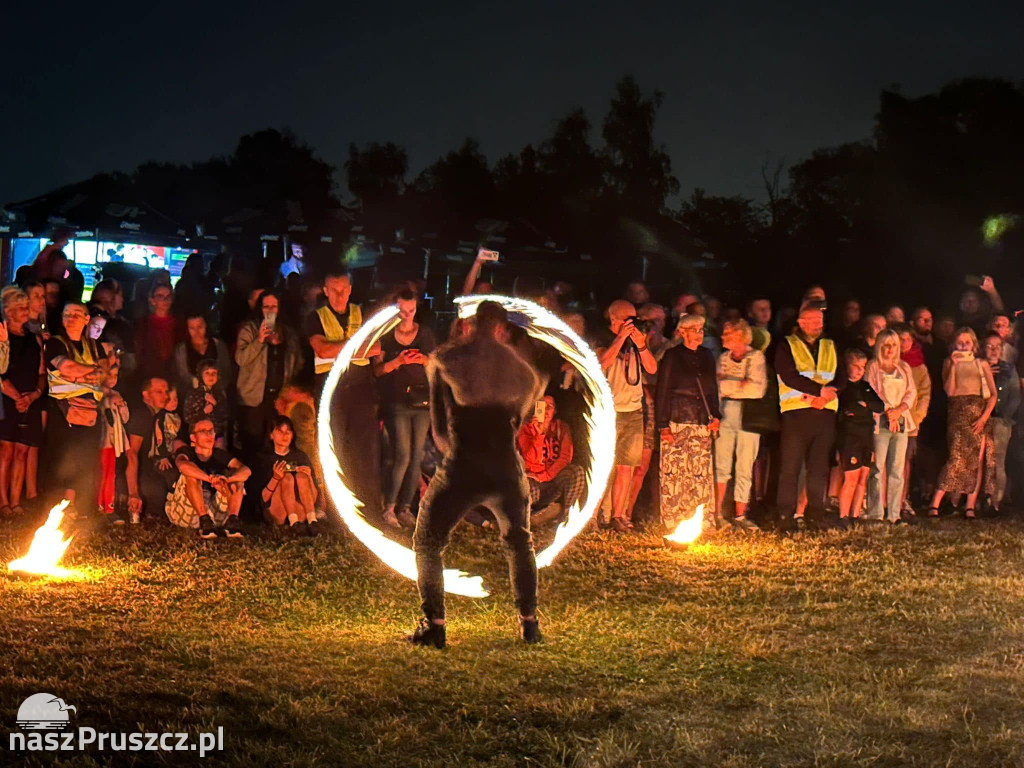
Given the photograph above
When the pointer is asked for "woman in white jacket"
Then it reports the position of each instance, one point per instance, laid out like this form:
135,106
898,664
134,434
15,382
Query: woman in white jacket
893,380
741,377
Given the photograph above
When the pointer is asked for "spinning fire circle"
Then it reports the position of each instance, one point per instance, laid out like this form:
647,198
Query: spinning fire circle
540,324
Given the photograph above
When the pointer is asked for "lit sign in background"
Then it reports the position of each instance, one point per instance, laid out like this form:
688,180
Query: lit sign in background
90,255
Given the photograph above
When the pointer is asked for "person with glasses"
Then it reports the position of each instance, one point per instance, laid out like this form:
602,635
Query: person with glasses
208,494
687,416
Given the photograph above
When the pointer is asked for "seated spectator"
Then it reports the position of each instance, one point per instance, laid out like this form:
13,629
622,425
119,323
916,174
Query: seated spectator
858,405
298,405
209,492
149,467
36,324
545,443
208,400
283,478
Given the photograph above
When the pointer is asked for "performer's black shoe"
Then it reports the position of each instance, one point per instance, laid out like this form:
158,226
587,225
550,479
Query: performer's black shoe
531,631
428,633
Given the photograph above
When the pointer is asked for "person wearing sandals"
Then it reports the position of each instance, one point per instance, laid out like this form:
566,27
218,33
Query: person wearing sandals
742,379
405,399
972,393
893,381
686,413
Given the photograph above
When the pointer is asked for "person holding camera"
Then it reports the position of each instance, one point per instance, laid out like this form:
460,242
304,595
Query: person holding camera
405,401
624,356
269,357
893,381
282,481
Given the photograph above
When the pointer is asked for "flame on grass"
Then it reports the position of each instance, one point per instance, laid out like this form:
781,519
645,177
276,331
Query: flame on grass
47,548
546,327
688,531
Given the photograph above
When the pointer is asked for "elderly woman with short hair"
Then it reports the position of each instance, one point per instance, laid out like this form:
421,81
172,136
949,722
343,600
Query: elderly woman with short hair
742,382
686,413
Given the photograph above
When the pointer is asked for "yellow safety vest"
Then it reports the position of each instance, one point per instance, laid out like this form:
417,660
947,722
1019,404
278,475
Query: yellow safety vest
62,389
334,332
822,370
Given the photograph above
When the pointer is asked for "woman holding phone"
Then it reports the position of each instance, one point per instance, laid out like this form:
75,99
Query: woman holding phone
269,357
971,388
405,398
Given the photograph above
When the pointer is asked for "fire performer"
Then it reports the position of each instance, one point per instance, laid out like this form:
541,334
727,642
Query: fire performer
480,392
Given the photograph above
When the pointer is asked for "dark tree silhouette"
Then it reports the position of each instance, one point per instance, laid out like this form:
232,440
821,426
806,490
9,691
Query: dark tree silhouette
376,174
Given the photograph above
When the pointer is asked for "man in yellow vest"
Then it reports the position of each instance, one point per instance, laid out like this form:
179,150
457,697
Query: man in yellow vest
807,367
354,405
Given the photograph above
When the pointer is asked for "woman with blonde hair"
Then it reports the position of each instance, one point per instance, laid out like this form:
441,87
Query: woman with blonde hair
742,382
972,393
893,381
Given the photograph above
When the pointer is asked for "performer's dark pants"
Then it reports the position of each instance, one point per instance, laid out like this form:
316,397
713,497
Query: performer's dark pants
486,470
356,430
808,435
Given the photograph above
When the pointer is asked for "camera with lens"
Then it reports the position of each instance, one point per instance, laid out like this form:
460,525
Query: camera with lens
644,326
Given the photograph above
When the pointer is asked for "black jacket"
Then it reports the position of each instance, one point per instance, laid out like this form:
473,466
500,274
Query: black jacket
687,387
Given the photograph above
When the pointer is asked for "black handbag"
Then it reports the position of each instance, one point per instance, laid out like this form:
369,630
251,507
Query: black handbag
762,416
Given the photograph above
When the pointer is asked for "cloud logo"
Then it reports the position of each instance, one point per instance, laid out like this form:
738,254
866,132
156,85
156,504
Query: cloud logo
44,712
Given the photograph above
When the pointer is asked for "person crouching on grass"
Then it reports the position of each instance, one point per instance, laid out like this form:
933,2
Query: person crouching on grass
208,495
283,478
858,404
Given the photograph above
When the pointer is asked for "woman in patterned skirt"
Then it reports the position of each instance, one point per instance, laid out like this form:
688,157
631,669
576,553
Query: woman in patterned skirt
972,396
687,416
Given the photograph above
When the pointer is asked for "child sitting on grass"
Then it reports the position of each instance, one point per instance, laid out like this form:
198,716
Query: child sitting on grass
207,401
858,404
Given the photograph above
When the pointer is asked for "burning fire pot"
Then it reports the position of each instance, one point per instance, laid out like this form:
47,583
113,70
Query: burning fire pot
687,532
47,548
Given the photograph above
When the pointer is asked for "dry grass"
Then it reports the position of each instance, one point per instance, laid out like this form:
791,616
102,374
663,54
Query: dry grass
870,648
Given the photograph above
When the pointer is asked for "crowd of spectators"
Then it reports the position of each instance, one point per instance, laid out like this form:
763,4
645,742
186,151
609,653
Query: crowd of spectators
193,404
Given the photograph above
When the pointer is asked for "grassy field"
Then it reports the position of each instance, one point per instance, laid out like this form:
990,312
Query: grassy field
877,647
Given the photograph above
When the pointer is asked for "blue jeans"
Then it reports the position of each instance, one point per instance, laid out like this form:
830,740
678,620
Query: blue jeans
407,428
890,459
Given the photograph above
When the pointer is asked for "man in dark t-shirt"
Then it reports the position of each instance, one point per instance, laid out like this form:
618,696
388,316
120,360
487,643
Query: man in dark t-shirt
209,493
149,471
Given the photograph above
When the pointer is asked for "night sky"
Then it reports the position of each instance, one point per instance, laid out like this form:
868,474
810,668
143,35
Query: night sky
89,88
